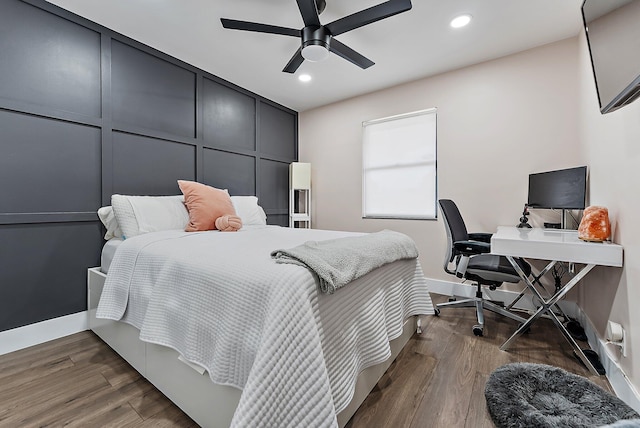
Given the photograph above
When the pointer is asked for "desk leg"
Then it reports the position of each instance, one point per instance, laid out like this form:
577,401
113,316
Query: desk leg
541,310
524,327
525,279
536,278
546,307
576,348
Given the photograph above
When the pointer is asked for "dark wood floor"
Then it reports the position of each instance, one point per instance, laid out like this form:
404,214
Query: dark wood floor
437,381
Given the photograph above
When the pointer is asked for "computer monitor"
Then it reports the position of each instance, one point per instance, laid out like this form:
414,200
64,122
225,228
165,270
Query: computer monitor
564,189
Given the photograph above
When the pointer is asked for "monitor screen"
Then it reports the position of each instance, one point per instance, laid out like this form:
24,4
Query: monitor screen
613,36
562,189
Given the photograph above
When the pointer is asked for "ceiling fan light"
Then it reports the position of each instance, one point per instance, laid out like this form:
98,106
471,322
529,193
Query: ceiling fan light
314,53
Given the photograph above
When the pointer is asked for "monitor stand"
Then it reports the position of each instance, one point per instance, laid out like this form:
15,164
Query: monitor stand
558,226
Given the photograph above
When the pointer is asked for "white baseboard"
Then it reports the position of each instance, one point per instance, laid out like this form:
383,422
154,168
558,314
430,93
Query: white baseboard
616,376
609,357
41,332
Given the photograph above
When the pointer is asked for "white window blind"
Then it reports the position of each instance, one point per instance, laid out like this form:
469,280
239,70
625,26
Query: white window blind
399,166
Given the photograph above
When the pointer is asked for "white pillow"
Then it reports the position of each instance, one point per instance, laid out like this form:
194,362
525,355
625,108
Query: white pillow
248,210
109,220
143,214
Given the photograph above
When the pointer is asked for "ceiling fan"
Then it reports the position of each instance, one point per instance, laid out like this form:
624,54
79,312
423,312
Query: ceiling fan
318,40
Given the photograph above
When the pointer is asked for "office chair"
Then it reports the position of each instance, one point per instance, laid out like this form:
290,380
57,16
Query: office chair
470,254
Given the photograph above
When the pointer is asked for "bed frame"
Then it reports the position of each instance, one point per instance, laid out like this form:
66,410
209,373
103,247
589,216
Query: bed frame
187,385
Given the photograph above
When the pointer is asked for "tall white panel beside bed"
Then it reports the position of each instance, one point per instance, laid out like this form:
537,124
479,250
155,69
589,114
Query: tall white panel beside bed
209,404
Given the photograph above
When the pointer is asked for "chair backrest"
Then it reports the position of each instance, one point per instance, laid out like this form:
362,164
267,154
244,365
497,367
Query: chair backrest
455,227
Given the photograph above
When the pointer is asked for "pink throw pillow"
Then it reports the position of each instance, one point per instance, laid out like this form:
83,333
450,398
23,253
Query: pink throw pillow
205,204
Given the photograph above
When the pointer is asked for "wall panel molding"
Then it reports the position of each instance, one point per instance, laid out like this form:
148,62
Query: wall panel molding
53,166
92,113
229,117
53,217
151,92
62,64
33,109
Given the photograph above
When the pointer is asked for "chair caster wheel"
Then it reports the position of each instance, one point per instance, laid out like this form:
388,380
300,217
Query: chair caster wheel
436,312
452,299
478,330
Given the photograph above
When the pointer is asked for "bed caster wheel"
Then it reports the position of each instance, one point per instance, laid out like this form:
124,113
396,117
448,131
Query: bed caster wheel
478,330
436,312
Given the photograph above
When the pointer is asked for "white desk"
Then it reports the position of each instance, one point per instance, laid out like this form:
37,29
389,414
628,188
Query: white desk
557,246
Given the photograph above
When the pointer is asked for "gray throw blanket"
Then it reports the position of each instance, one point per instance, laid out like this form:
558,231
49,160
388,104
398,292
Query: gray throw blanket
339,261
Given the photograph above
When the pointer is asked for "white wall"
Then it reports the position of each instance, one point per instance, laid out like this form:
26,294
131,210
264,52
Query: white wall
611,146
497,122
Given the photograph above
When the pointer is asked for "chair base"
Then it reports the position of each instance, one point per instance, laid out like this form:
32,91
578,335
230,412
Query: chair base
480,304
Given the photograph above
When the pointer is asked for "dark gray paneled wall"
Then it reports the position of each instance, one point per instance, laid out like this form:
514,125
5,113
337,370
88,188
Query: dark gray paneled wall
85,113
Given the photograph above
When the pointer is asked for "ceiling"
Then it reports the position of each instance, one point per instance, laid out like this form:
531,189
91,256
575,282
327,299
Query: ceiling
405,47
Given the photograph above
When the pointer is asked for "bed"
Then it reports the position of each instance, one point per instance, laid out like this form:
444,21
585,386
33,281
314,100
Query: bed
235,339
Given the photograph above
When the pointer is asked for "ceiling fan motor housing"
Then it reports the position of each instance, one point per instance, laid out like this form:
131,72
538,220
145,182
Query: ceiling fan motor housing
315,36
315,43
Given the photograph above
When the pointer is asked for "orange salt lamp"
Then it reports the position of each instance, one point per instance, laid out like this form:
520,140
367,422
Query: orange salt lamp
594,225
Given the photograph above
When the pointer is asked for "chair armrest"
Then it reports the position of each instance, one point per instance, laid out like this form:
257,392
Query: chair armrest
471,248
482,237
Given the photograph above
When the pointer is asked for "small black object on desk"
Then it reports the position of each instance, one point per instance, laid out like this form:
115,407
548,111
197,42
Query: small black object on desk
524,221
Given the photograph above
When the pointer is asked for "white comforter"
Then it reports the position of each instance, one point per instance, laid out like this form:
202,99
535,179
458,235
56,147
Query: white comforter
224,304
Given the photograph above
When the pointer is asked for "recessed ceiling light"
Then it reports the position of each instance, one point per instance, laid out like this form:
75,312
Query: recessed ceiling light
460,21
304,78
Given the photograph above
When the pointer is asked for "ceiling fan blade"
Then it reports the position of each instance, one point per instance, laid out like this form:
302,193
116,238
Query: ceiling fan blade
296,60
309,12
368,16
349,54
232,24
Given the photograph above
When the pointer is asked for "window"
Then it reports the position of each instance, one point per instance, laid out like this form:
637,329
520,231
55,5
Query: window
399,166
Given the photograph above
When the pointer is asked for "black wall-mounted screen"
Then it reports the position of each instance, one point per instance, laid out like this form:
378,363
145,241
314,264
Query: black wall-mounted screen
613,33
561,189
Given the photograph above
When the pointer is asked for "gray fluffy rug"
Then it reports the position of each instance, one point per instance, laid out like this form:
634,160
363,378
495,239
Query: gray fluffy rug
525,395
